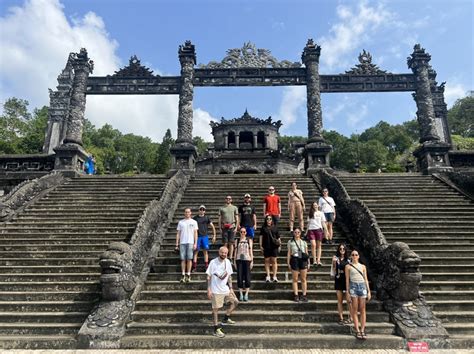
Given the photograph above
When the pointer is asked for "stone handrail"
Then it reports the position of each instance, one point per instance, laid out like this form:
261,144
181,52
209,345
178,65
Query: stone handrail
461,182
393,268
27,191
125,267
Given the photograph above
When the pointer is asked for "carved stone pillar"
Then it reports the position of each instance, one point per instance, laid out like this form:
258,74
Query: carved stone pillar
432,155
316,150
82,68
226,141
419,64
237,140
187,59
59,102
254,140
184,153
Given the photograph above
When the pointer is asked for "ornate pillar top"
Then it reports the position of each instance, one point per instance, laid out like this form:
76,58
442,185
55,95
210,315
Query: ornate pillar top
187,51
311,52
419,58
81,61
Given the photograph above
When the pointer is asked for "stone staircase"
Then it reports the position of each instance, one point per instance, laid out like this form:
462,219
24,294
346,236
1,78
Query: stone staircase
171,315
438,224
49,272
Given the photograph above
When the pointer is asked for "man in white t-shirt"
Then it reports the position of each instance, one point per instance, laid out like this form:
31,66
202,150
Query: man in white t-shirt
328,207
219,289
186,243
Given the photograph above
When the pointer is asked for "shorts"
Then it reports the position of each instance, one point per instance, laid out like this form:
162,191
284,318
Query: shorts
329,217
250,232
357,289
228,235
270,252
202,243
186,251
218,300
316,235
297,264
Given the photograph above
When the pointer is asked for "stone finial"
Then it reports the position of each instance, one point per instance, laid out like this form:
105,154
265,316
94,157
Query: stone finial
418,58
187,51
311,52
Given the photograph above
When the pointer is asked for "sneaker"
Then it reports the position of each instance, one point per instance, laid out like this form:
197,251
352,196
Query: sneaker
246,297
303,298
241,297
194,268
320,264
187,279
267,279
183,279
275,279
219,333
228,320
296,298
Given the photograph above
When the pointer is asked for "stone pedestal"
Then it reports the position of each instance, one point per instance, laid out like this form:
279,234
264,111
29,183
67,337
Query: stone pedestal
316,154
432,157
70,159
183,157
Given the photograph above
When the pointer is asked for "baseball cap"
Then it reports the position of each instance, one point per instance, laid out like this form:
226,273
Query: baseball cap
247,195
202,207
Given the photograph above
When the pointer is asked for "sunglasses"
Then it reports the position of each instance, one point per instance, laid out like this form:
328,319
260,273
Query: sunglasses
202,209
228,198
271,190
243,232
354,255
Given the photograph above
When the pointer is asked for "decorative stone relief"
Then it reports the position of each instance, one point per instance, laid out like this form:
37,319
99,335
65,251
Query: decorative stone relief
187,58
134,69
249,57
365,66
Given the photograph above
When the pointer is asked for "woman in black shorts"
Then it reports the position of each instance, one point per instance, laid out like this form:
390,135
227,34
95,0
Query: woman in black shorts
297,264
339,262
268,236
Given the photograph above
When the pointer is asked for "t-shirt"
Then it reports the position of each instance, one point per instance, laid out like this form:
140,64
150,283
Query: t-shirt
186,228
203,223
293,247
327,206
271,202
267,233
316,222
243,251
217,268
246,212
228,213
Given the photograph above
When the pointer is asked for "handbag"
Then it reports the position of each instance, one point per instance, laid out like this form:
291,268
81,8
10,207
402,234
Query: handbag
304,255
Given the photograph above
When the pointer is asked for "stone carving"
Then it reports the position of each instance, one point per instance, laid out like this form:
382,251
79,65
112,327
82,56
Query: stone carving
419,63
187,58
109,314
27,191
365,66
394,268
83,66
134,69
249,57
246,118
117,279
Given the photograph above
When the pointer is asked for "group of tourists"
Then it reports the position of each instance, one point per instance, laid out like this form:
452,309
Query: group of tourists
238,227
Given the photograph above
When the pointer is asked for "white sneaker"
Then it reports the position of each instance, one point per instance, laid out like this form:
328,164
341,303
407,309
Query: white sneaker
275,279
267,279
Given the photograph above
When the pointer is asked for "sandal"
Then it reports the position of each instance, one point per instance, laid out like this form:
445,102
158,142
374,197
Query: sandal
347,322
341,322
359,335
363,335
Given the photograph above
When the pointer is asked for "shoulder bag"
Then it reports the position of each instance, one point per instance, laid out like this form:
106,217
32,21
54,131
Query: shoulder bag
304,255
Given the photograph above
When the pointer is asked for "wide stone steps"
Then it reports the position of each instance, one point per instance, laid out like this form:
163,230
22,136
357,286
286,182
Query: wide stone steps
169,309
49,271
438,224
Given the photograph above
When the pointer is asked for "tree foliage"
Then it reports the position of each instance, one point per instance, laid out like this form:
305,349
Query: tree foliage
461,117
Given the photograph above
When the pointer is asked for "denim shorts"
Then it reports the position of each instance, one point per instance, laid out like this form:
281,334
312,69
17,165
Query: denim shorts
357,289
329,217
186,251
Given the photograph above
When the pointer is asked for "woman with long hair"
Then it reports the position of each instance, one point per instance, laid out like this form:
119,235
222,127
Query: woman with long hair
328,207
316,227
298,264
359,292
339,262
243,262
270,246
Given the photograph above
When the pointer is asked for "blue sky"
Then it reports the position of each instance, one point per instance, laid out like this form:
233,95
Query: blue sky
37,35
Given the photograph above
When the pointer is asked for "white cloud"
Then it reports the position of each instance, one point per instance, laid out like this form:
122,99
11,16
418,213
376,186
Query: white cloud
357,115
292,106
201,125
355,27
35,42
454,91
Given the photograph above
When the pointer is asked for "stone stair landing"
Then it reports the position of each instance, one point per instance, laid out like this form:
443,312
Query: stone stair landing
49,270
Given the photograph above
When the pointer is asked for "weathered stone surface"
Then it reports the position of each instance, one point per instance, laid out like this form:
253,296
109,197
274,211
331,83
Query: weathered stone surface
461,181
365,66
432,157
187,58
134,69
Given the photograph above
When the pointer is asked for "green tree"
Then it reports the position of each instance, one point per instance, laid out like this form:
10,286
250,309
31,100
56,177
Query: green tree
200,144
461,117
462,143
13,125
163,159
33,139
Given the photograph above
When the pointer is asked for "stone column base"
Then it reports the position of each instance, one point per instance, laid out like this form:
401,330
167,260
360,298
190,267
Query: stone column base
183,157
316,156
69,159
432,157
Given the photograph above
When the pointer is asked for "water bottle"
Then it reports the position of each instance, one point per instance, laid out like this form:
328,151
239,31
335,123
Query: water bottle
286,276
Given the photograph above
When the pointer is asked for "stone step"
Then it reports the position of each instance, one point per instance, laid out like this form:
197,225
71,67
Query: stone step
460,329
451,294
48,342
25,262
249,327
78,229
446,285
83,286
26,329
6,241
42,317
52,254
455,316
62,219
48,296
49,277
46,306
29,269
451,305
55,248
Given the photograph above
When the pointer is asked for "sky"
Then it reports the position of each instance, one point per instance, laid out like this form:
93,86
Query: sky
36,37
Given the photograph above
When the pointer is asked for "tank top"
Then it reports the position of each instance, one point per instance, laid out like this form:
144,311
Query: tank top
243,251
354,275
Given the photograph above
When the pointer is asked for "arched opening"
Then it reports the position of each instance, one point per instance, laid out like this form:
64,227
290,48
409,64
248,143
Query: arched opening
249,171
231,141
245,140
223,173
261,140
269,172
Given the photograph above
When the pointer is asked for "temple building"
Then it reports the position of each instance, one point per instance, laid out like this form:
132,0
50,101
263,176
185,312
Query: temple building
246,145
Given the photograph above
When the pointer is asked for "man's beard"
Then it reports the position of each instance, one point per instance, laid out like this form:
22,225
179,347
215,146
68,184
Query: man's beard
222,257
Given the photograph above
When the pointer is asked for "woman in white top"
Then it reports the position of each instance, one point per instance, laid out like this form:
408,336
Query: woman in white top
359,291
328,207
316,230
298,264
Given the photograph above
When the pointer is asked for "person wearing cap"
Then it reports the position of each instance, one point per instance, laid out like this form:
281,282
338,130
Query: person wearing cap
203,222
248,218
272,205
